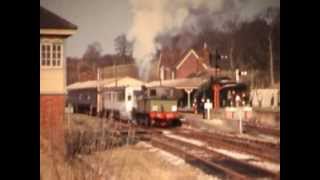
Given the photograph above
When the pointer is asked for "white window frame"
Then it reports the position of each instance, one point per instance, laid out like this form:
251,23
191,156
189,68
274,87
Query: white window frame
50,44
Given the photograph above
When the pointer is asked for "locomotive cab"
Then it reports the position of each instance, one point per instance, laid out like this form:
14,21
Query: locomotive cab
157,106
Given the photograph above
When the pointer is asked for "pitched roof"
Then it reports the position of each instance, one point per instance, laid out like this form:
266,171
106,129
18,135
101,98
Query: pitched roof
191,51
49,20
173,58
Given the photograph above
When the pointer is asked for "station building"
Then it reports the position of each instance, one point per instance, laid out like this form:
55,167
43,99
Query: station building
54,30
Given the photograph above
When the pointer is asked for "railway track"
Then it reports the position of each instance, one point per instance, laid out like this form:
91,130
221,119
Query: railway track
266,152
199,155
261,129
225,165
232,137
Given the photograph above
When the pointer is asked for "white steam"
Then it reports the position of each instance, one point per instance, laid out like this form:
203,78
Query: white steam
153,17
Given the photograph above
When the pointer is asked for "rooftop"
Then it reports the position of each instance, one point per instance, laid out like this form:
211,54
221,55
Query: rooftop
49,20
110,82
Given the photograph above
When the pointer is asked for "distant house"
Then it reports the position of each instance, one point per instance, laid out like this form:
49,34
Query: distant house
189,64
54,30
79,70
119,71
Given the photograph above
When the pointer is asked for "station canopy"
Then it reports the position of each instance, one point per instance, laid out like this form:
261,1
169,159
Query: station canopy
125,81
110,82
186,83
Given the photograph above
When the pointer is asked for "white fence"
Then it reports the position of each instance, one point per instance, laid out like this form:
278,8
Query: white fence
265,98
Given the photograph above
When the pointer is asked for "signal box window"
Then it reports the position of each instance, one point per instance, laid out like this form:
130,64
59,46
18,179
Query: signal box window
51,55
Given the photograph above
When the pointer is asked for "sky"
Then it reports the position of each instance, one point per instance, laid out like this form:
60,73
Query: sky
103,20
97,20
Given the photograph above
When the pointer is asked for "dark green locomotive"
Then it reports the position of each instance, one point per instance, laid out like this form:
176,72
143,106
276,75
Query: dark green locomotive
157,106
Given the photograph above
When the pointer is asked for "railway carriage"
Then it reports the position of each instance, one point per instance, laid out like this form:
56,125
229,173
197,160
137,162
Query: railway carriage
83,100
118,102
155,106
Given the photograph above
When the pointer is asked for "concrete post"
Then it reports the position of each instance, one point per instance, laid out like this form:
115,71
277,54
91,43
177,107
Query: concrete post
99,84
240,125
240,111
237,75
189,97
208,106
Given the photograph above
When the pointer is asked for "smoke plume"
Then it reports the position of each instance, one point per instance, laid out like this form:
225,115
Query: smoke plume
152,18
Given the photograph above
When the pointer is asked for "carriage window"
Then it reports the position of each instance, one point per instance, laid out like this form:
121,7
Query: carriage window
153,92
121,96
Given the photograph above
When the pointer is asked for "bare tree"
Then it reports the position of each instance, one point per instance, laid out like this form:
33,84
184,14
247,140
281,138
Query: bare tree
123,47
93,53
271,18
231,27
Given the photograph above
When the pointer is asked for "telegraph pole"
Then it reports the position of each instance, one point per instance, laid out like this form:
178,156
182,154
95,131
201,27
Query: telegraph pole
216,65
115,75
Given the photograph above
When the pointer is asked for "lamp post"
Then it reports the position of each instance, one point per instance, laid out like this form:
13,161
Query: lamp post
217,58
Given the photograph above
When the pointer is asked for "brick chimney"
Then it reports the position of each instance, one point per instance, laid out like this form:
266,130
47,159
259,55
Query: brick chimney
206,53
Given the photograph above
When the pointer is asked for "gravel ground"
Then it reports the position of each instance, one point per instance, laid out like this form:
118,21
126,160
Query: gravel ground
133,162
143,162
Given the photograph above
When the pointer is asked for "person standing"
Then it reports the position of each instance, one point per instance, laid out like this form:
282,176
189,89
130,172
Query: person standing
272,101
260,100
202,108
244,99
238,100
233,97
251,100
195,108
229,98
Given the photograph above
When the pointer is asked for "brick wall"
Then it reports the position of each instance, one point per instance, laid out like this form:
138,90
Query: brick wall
51,120
190,66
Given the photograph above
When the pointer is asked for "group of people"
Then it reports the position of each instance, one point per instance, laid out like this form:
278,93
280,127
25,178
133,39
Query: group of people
236,99
199,107
233,99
